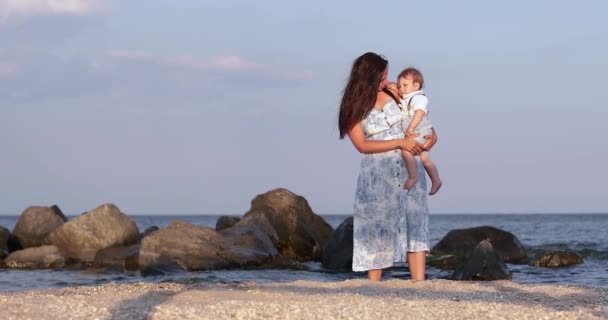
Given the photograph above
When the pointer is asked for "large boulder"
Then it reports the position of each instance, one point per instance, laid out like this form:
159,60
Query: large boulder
338,251
192,247
553,259
200,248
103,227
35,224
484,264
13,244
461,242
125,257
265,237
445,262
37,257
4,235
259,221
162,266
148,231
250,242
301,233
225,222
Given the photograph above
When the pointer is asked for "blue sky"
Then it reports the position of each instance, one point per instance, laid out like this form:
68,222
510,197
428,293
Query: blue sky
183,107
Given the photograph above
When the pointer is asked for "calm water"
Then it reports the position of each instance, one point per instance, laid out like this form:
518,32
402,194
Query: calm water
586,234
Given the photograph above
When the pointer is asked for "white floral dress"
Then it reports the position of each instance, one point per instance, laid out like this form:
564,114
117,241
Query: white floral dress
388,220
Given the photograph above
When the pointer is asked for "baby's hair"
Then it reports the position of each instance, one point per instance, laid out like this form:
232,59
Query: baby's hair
416,75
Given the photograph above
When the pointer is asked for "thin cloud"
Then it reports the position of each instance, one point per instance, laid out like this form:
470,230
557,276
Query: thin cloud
29,8
233,63
229,64
8,69
225,63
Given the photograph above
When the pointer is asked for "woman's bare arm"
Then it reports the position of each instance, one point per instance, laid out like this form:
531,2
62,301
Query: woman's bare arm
357,137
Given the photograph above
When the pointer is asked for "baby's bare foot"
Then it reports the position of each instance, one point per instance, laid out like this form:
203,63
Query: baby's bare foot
436,185
410,182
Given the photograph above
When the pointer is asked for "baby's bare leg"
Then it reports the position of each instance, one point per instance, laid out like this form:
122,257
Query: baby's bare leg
431,169
412,170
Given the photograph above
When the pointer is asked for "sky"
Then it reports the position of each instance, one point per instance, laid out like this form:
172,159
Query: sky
195,107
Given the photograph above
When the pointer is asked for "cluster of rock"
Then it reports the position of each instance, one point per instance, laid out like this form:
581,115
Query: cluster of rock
479,253
279,231
44,238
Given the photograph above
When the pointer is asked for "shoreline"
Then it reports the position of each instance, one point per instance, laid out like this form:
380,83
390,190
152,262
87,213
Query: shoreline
350,299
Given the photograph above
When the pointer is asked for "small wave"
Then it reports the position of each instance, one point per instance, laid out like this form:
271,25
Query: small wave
195,280
593,254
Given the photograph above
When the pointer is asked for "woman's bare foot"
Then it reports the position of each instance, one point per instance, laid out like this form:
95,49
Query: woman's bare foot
410,182
435,186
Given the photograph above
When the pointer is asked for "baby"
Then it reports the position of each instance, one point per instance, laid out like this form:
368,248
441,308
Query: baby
414,103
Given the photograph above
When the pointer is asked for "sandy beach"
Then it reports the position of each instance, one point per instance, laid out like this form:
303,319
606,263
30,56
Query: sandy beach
352,299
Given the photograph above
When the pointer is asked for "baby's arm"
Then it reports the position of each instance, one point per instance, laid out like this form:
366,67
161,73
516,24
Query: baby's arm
418,115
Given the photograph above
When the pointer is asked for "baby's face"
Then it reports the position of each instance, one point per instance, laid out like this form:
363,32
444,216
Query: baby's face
407,85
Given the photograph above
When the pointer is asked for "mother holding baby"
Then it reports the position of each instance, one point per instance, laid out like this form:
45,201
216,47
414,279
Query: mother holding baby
390,223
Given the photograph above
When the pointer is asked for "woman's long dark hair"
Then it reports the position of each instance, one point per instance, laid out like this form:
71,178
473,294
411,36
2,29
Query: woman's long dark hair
361,91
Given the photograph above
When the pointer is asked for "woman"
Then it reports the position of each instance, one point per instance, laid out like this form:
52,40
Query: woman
388,220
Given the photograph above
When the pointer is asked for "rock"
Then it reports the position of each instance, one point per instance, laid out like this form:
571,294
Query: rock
284,262
552,259
103,227
484,264
162,266
338,251
58,212
38,257
301,233
125,257
35,224
225,222
8,243
148,231
250,242
461,242
13,244
192,247
261,222
448,261
4,235
195,247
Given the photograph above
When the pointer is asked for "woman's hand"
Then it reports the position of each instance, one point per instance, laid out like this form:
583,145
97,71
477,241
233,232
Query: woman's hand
357,137
430,141
410,145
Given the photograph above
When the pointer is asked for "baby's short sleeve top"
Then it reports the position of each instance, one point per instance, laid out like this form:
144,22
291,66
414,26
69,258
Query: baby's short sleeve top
418,101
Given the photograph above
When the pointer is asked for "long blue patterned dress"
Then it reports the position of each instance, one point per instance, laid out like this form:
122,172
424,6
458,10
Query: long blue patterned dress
388,220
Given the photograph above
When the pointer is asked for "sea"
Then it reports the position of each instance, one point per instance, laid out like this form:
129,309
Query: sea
586,234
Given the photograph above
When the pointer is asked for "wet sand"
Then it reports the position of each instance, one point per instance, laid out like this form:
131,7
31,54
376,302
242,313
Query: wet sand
352,299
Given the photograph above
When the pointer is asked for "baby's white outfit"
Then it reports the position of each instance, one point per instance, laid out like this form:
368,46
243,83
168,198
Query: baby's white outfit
412,102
